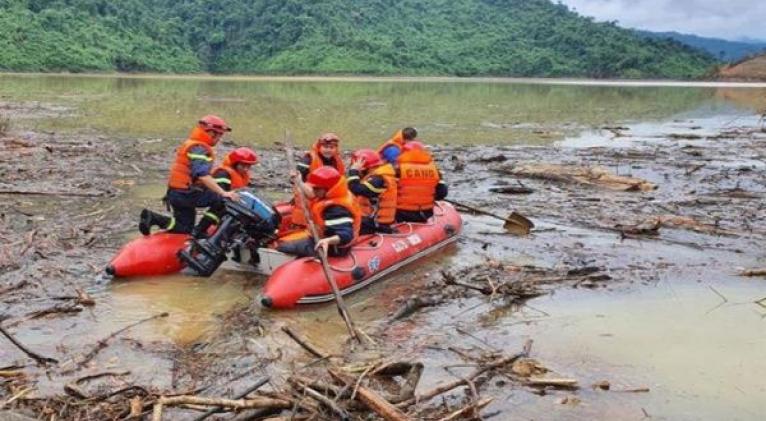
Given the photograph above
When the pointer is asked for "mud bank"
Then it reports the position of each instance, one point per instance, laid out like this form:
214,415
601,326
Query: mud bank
616,208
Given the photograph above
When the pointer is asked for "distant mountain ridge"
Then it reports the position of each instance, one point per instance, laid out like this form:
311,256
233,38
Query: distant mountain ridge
373,37
724,50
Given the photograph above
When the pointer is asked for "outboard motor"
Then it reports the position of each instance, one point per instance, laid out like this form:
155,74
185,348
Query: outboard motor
251,221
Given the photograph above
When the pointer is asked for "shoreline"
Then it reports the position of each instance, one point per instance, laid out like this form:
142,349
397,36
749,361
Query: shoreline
410,79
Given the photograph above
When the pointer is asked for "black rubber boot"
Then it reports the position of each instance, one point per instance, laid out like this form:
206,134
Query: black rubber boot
149,219
200,231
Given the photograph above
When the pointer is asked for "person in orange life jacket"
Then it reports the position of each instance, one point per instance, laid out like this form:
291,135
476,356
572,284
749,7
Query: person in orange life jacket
190,184
420,184
324,152
391,149
232,174
373,183
333,211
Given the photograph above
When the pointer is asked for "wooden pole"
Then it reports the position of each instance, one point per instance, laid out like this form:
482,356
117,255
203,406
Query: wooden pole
298,184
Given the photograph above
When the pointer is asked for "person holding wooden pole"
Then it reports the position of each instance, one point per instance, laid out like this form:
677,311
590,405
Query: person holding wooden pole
333,211
329,191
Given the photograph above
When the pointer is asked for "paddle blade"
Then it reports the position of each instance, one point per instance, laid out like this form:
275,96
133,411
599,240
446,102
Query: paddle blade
518,224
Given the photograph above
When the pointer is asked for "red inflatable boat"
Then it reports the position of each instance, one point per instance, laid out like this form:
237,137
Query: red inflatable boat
152,255
302,281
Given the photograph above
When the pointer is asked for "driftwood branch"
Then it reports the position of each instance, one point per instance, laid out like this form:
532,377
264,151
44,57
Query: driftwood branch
313,350
754,272
35,356
341,413
257,402
104,342
372,400
469,411
412,305
464,381
251,389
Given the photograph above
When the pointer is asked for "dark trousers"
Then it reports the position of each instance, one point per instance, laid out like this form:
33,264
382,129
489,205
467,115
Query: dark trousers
305,248
185,203
369,226
414,216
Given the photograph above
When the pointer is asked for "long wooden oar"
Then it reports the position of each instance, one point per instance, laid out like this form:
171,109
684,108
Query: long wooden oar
297,186
515,223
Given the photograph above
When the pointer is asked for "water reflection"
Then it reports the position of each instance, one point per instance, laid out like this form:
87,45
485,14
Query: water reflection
362,112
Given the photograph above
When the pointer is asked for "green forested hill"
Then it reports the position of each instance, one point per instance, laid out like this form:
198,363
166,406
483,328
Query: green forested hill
408,37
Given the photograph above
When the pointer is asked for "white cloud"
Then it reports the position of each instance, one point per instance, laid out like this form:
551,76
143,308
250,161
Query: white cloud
730,19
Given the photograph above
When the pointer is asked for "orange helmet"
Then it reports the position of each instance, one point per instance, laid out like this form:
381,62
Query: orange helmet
243,156
324,177
328,139
214,123
370,157
414,145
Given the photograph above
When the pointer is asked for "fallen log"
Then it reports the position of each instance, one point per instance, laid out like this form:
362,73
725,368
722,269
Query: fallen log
371,399
252,403
593,176
753,272
511,190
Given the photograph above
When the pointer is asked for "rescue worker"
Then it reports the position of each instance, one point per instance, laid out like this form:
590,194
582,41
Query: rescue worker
373,183
420,184
324,152
392,148
334,213
190,184
232,174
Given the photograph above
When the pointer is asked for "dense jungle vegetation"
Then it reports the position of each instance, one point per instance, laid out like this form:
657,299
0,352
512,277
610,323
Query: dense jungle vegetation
376,37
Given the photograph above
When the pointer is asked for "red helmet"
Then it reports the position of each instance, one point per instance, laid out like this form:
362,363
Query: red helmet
328,138
214,123
370,157
243,156
414,145
324,177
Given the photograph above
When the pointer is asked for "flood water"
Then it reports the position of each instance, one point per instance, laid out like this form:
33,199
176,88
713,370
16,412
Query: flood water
700,355
365,111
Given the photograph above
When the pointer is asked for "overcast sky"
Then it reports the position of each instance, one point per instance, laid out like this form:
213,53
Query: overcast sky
729,19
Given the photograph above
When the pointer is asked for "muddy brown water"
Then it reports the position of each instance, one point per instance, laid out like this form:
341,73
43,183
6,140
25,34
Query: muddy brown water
687,329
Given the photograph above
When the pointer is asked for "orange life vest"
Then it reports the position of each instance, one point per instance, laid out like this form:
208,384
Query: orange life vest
316,162
339,195
236,180
418,177
385,211
180,171
397,140
297,217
